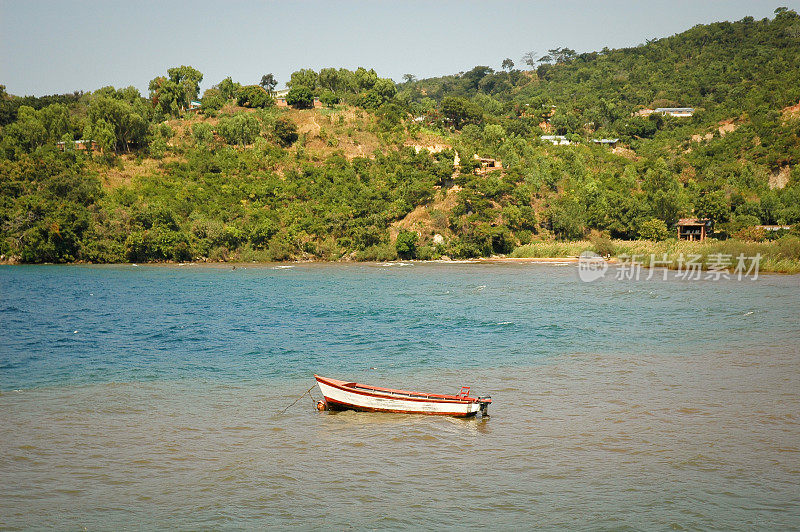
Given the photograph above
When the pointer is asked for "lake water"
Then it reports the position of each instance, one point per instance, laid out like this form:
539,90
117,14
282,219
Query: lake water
151,396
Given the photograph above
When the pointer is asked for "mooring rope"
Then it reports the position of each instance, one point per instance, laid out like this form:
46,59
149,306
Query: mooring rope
298,399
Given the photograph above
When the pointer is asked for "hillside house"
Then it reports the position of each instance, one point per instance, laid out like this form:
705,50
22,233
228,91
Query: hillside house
281,102
80,145
487,165
194,105
606,142
556,140
680,112
693,229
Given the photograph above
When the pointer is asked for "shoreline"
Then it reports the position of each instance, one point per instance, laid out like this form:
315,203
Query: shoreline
476,260
552,261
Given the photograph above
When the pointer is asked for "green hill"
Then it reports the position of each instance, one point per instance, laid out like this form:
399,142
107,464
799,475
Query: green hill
366,172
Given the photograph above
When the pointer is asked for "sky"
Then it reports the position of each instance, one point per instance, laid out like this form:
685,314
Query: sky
51,47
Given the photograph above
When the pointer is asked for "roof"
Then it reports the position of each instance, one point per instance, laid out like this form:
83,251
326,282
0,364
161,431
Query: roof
674,110
605,141
693,221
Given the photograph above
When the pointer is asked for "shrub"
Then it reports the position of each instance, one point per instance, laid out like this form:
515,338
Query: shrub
378,252
653,229
328,98
212,101
254,96
406,244
202,133
285,131
241,128
602,244
751,234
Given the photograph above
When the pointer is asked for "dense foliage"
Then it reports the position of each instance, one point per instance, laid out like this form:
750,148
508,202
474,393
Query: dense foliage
113,176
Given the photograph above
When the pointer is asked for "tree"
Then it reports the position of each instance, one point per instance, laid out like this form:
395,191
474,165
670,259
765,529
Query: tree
460,111
300,96
365,79
529,58
409,78
211,101
475,75
304,77
406,244
493,134
381,92
126,121
558,55
567,219
332,80
664,193
228,88
714,206
254,96
8,109
173,93
188,79
27,132
328,98
507,64
268,82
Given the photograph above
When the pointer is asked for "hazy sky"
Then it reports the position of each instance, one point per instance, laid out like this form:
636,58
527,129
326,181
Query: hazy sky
52,47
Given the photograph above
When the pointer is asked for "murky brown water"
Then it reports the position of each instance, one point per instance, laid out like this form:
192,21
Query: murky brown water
708,441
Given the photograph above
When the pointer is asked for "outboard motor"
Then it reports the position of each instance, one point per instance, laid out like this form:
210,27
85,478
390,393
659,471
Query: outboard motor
485,402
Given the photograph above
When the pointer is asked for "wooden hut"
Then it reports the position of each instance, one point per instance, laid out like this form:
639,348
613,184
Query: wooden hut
693,229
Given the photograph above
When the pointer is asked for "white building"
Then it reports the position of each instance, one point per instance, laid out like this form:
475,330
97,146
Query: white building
556,140
681,112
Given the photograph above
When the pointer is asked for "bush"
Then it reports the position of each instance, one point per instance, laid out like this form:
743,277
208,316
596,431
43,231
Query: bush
328,98
212,101
158,147
751,234
254,96
653,229
378,252
406,244
285,131
602,244
241,128
202,133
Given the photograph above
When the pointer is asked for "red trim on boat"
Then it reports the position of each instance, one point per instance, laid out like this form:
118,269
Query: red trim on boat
375,391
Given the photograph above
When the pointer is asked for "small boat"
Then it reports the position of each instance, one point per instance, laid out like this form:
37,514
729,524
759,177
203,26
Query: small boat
343,395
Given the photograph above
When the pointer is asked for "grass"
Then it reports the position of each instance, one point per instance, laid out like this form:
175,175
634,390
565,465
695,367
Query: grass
778,256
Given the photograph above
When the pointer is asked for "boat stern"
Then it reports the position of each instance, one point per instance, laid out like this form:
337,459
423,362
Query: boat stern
484,403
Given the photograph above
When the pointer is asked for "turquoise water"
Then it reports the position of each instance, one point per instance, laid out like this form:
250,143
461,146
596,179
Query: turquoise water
151,395
68,325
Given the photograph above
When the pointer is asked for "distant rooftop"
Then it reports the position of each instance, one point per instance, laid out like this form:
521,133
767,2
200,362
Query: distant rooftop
693,221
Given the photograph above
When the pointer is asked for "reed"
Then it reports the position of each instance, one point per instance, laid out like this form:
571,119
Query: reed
778,256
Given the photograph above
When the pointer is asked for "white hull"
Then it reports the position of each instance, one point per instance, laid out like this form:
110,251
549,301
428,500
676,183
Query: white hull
385,402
